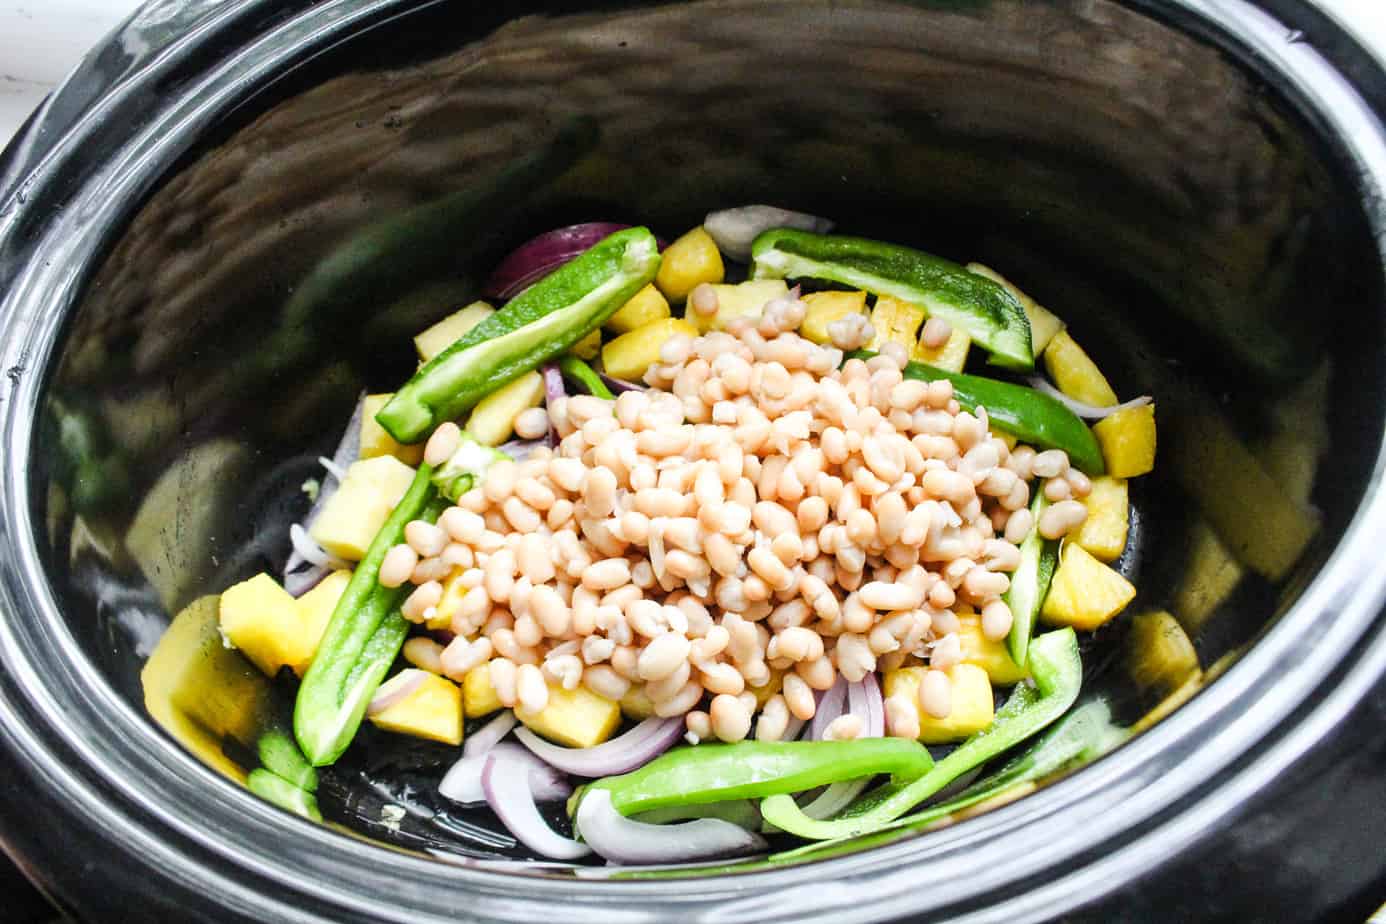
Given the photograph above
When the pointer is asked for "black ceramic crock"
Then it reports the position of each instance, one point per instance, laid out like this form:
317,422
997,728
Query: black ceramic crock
232,215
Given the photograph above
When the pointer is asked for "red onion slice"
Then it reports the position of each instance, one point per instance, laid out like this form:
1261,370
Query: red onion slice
619,385
864,700
635,748
835,798
553,383
490,734
506,784
1088,411
744,813
520,450
348,449
539,256
396,689
297,583
793,730
735,230
618,838
831,705
462,782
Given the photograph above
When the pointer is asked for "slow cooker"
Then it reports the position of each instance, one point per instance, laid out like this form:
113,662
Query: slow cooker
213,232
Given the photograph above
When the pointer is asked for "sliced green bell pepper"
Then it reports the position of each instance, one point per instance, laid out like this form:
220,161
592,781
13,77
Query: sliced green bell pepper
581,373
467,463
1058,673
985,310
361,640
536,325
752,769
273,788
1030,583
279,754
1029,415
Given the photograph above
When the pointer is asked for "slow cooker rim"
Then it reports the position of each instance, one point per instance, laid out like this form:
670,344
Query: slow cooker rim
1179,729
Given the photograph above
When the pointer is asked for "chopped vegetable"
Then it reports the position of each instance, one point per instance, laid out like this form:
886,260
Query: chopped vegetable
990,655
1075,374
375,441
895,321
1044,324
688,262
826,307
540,256
449,330
478,694
742,300
432,709
735,230
1030,582
629,355
284,794
468,462
316,606
1159,655
990,315
649,304
578,718
1085,593
540,323
492,421
263,621
579,372
354,514
1103,533
972,705
951,357
620,839
280,755
1128,441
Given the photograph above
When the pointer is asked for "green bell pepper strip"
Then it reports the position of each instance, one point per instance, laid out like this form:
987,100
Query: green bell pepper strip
1030,583
1029,415
468,462
984,309
752,769
583,374
273,788
1058,673
355,651
538,324
279,754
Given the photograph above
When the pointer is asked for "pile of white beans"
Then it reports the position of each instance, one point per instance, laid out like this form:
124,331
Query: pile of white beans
760,519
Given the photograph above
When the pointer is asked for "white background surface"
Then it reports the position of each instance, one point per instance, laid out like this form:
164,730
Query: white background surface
41,40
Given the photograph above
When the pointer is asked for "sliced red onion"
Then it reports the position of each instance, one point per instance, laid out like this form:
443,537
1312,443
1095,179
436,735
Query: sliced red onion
1088,411
619,385
348,449
623,840
462,782
635,748
506,784
831,705
744,813
864,700
734,230
835,798
490,734
539,256
519,450
310,551
793,730
395,690
297,583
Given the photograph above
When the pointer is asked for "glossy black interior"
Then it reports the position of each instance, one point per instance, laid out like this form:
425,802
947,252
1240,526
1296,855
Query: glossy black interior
1185,214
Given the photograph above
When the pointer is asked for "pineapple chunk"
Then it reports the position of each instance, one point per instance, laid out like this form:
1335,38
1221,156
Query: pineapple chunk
644,306
433,711
453,592
263,621
772,686
1076,375
990,656
376,441
578,718
478,696
588,347
826,307
895,321
1159,654
743,300
636,705
1044,324
493,419
1103,533
630,355
1208,577
1084,593
316,606
951,357
973,704
352,516
443,334
1127,439
689,261
200,691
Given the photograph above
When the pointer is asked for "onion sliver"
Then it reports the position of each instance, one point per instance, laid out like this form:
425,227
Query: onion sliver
553,383
735,230
619,385
539,256
396,689
1089,411
348,449
462,782
864,700
832,704
618,838
490,734
635,748
299,582
835,798
506,784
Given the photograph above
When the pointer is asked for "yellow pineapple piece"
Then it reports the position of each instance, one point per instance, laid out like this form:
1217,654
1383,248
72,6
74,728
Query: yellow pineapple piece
649,304
1044,324
689,261
1127,439
771,687
951,357
636,705
1159,654
895,321
973,704
433,711
824,308
1103,533
990,656
1075,374
264,622
742,300
1208,577
316,606
1085,593
493,419
354,514
578,718
443,334
453,592
376,441
478,696
588,347
630,355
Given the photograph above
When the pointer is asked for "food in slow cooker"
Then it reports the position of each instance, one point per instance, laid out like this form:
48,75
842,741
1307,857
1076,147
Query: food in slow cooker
716,559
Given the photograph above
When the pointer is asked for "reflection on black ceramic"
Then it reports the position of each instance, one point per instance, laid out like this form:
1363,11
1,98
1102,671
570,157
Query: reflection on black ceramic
1182,212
